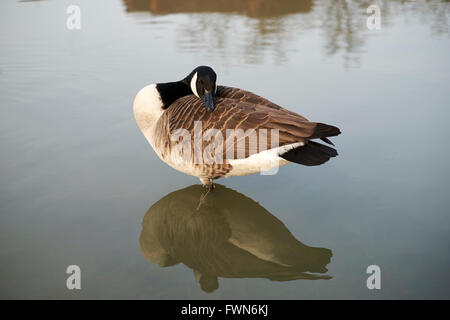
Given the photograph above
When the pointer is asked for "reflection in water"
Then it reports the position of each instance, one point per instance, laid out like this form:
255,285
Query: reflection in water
226,235
344,22
235,29
272,25
252,8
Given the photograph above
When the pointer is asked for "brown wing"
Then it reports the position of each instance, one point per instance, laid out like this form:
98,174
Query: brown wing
240,109
240,95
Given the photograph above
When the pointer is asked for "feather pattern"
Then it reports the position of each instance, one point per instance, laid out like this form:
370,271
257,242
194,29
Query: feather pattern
239,110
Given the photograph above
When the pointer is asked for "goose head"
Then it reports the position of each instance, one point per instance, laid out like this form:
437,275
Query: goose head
152,100
202,81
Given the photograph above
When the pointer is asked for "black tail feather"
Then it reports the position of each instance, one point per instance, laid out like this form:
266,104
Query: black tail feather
311,154
323,131
327,141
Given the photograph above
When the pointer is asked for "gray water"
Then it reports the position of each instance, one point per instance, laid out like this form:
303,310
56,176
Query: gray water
81,186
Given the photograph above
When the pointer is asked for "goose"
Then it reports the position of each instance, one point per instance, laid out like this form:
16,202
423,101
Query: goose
212,131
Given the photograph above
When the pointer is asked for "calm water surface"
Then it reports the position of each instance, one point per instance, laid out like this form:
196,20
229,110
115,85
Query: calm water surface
80,185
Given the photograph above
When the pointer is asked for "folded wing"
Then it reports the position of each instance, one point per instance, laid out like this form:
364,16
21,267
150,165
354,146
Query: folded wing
237,109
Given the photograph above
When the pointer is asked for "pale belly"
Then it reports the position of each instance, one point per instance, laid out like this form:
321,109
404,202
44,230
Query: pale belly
266,163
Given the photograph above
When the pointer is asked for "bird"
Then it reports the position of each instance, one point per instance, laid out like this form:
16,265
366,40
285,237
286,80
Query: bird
213,131
228,236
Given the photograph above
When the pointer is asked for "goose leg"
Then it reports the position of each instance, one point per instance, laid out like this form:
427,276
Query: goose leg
207,183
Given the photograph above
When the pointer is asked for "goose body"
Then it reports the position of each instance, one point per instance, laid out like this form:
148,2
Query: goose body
244,134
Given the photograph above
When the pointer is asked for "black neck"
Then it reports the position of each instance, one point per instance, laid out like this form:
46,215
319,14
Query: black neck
172,91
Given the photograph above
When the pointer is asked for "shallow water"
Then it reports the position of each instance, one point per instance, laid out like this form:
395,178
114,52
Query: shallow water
79,183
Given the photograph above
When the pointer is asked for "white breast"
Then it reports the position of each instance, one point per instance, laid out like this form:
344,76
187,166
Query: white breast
147,108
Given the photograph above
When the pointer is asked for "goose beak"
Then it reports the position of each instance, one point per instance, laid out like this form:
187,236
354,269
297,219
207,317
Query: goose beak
208,101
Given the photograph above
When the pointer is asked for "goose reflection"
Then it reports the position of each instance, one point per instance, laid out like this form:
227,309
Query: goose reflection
226,234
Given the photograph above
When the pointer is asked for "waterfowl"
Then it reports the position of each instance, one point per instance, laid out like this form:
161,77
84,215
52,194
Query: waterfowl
228,236
211,131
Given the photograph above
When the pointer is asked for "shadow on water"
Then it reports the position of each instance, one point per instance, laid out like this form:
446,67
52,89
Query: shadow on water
228,235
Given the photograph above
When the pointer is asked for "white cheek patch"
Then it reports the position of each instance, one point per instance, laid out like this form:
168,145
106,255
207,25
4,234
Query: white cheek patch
194,84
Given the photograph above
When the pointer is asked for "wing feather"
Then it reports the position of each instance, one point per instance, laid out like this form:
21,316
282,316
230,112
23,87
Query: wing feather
240,109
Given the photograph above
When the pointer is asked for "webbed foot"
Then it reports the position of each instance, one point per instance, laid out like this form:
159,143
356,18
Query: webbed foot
207,183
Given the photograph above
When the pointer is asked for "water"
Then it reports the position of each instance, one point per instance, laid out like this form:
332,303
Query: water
80,185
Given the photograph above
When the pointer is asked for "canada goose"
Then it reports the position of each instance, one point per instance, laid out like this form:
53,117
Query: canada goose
228,236
203,114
